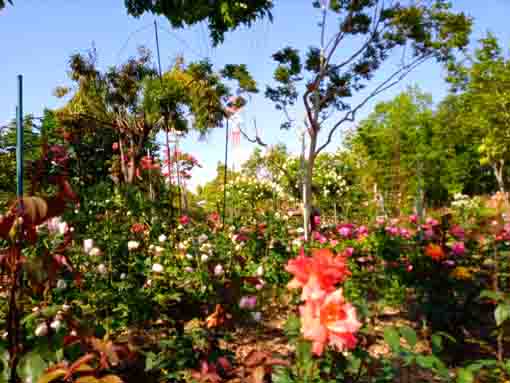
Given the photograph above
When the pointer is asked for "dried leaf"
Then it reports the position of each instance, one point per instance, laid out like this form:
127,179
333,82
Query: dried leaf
256,358
87,379
53,375
111,379
257,375
277,362
79,365
216,318
106,348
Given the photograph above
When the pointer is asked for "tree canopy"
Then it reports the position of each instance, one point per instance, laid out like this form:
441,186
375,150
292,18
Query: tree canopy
221,16
483,92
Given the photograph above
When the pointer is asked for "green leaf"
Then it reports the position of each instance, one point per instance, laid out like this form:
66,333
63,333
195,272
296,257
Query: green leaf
392,338
437,343
4,361
281,375
31,367
497,296
465,376
292,326
502,313
427,362
409,335
150,361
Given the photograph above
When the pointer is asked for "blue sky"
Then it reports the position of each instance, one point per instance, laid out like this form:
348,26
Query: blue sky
37,38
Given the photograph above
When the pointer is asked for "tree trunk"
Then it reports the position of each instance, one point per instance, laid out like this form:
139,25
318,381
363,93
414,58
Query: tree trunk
498,168
307,184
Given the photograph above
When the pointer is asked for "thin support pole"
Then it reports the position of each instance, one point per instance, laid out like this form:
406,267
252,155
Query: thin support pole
15,298
157,48
167,127
303,182
225,175
178,171
19,139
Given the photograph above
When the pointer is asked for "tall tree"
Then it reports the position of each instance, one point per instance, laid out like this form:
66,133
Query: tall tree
483,86
422,31
32,141
395,139
125,107
221,16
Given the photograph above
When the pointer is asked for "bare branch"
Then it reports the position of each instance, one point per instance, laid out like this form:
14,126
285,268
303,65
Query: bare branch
308,111
391,81
287,115
257,139
361,49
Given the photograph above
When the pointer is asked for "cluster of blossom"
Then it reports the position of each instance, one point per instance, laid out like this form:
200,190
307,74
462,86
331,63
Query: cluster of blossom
330,181
55,323
462,201
55,225
504,235
326,317
350,231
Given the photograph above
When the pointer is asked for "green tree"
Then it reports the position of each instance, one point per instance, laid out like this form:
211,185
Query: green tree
420,30
454,150
125,107
32,146
221,16
484,93
396,140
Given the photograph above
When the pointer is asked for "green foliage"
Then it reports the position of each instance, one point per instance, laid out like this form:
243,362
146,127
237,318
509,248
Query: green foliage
406,146
431,31
220,16
408,354
483,93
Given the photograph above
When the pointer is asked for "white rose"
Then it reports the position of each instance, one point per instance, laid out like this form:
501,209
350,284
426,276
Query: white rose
260,271
62,228
157,268
133,245
41,330
162,238
88,244
204,257
101,268
61,284
218,270
95,252
257,316
56,324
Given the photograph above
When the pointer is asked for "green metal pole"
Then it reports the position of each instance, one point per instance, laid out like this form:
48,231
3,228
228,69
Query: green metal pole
19,138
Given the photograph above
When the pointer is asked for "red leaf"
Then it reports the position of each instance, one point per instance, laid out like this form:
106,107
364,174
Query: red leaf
76,365
71,339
